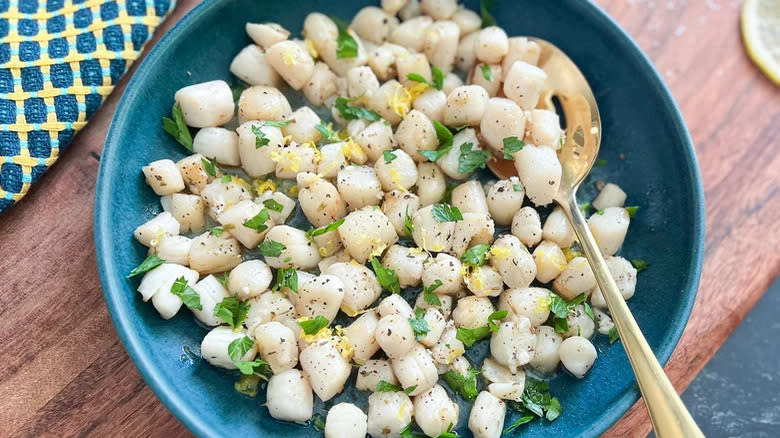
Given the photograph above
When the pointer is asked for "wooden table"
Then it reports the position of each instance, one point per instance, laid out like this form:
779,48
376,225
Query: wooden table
63,371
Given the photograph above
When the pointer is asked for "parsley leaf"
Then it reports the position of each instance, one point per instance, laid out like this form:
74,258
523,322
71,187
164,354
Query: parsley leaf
313,326
449,433
632,210
446,213
561,309
640,265
177,128
223,279
469,336
247,385
188,295
232,311
347,46
277,123
419,325
512,145
585,207
484,9
327,133
349,112
406,432
438,78
613,335
387,277
600,163
273,205
286,277
471,159
271,248
447,198
408,226
600,212
237,349
416,77
217,231
430,297
465,386
517,187
519,422
318,423
589,311
210,166
257,223
384,386
147,265
236,90
314,232
226,178
389,156
496,316
260,138
476,255
537,399
444,135
487,72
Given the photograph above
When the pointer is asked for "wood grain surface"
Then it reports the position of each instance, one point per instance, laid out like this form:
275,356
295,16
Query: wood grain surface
63,371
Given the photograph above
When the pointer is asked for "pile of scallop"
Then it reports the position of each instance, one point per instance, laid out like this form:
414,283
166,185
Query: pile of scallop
395,209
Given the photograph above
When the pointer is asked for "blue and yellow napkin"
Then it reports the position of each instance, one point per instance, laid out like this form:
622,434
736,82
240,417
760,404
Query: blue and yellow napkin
58,60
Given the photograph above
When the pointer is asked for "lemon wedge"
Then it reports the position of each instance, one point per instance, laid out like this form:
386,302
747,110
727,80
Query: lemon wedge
761,35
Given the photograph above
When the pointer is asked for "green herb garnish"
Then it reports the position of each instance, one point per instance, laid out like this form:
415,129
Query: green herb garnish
257,223
640,265
177,128
476,255
430,297
613,335
270,248
471,159
487,72
313,326
347,46
444,135
238,348
419,325
471,336
408,226
484,9
389,156
186,293
446,213
632,210
327,133
314,232
273,205
600,163
349,112
512,145
210,166
286,277
147,265
465,386
232,311
387,277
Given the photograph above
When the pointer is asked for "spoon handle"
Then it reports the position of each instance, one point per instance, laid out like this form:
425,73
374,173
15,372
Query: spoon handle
668,414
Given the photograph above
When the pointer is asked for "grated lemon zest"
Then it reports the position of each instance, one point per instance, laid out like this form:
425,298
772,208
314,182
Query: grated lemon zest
293,190
416,250
570,254
543,305
352,151
396,177
500,252
160,234
311,48
288,57
263,185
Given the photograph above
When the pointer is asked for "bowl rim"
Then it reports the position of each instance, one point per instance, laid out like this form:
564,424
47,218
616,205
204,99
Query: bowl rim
166,391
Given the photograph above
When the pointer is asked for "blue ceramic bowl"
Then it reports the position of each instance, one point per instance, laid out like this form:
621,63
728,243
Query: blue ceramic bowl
645,142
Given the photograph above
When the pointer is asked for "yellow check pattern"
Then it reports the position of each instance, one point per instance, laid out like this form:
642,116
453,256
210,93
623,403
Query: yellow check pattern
58,61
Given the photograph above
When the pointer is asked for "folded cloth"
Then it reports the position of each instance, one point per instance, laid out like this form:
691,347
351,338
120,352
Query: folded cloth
58,60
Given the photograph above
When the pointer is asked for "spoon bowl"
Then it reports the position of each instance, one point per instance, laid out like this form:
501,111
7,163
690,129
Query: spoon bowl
577,154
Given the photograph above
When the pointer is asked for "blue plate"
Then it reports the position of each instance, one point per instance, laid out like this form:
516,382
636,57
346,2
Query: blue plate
645,143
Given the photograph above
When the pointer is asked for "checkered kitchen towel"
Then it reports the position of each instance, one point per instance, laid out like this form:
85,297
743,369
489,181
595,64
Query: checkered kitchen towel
58,61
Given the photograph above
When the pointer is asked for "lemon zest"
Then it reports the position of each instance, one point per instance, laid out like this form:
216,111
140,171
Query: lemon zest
396,177
293,190
500,252
570,254
263,185
543,304
288,57
311,48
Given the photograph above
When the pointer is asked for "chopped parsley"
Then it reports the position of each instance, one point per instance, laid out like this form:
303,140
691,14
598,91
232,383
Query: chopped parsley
271,248
600,212
631,210
349,112
327,133
561,309
438,77
384,386
484,9
519,422
186,293
416,77
640,265
465,386
471,336
217,231
247,385
177,128
430,297
512,145
318,423
407,432
517,187
471,159
260,138
387,278
210,166
613,335
232,312
238,348
273,205
286,277
389,156
538,400
600,163
446,213
313,326
419,325
585,207
408,226
147,265
277,123
487,72
476,255
236,90
314,232
257,223
347,46
445,137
